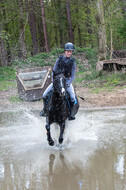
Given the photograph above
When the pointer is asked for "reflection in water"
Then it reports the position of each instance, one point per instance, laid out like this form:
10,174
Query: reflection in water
94,158
101,171
63,177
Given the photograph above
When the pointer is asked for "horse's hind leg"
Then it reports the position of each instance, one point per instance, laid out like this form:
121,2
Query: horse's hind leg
62,127
49,138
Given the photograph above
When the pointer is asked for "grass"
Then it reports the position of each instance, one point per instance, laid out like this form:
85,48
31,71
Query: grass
7,73
7,85
97,90
101,81
15,99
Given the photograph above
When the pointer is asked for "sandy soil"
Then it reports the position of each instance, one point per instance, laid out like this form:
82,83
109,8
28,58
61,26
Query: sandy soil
116,98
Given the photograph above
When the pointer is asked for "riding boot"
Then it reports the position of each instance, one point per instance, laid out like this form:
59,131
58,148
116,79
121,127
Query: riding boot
45,108
72,115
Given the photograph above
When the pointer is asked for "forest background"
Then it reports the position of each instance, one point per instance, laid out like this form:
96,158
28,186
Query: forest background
33,33
28,27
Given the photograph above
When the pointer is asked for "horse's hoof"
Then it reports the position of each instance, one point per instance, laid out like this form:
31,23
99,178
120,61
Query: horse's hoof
51,142
60,141
71,118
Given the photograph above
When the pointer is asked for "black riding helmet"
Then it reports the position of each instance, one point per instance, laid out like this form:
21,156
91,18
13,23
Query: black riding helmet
69,46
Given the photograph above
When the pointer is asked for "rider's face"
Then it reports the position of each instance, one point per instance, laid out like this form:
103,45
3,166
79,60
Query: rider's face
68,53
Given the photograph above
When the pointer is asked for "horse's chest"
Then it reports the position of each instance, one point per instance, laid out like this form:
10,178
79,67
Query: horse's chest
58,114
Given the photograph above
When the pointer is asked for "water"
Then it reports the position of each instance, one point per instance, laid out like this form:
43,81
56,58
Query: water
92,156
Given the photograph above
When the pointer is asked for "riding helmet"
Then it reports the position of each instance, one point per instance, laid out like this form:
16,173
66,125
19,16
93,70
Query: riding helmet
69,46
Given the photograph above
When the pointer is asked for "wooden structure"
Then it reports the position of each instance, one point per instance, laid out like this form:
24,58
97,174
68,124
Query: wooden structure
31,83
112,65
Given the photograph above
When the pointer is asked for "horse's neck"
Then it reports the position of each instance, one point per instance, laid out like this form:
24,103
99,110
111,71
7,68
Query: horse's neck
57,100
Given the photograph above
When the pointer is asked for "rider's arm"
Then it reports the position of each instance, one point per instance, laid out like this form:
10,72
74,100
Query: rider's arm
70,80
55,67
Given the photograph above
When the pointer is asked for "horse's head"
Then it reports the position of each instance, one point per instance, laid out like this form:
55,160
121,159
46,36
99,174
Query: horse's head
59,84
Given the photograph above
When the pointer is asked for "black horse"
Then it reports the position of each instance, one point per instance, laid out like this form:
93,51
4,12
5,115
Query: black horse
59,107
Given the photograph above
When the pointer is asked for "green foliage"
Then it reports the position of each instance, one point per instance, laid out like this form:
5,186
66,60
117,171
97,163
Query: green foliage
56,51
114,79
99,80
96,80
115,22
94,75
91,53
41,59
122,30
84,25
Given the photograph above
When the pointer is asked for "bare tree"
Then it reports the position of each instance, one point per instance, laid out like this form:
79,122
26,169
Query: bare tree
44,26
101,31
69,21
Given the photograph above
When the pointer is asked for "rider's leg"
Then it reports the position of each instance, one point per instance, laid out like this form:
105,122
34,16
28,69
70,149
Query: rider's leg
45,100
71,92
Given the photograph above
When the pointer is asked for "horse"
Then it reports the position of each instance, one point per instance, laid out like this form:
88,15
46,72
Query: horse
59,107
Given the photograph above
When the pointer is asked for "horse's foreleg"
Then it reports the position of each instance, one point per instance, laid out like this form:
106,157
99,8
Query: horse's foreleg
49,138
62,127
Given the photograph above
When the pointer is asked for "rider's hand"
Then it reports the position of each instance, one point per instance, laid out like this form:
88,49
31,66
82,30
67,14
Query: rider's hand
68,85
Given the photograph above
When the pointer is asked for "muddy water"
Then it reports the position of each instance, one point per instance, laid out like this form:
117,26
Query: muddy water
92,157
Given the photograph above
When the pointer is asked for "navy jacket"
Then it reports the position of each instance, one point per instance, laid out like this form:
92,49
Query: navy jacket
67,66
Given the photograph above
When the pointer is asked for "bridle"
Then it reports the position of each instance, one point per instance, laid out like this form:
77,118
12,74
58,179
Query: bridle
59,84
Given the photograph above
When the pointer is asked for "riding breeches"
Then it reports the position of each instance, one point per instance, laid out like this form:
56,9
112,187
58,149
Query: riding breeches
48,89
70,91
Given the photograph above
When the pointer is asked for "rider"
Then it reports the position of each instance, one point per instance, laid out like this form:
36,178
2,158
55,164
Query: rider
66,64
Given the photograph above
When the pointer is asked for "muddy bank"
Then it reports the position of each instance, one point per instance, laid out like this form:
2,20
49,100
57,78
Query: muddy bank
115,98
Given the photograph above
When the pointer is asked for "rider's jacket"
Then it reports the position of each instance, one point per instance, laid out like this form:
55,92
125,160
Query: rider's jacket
67,66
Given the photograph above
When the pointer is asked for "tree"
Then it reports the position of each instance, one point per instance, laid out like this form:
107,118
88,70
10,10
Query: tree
32,25
22,36
3,39
59,22
44,26
69,21
101,31
3,52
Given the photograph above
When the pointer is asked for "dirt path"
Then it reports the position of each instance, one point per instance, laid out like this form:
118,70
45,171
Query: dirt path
116,98
103,99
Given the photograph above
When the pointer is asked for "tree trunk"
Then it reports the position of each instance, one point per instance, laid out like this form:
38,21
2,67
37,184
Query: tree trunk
69,21
111,51
101,31
78,25
32,25
22,36
5,46
3,52
44,26
60,25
